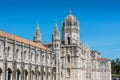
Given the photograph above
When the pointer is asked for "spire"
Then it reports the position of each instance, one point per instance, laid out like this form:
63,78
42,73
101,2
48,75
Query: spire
37,28
37,35
56,29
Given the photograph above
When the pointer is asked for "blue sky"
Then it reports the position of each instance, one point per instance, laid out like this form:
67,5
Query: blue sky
99,20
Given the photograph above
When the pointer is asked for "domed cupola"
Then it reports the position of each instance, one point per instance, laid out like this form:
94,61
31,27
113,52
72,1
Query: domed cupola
70,30
70,22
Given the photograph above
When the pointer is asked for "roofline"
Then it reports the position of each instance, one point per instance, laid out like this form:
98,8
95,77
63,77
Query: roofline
19,39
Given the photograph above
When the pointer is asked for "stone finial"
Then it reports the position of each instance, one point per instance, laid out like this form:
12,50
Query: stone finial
56,29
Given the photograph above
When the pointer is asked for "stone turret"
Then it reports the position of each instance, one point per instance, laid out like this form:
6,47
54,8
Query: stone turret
56,50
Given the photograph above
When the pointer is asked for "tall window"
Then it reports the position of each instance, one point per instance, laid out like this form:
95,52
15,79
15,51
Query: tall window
48,59
8,51
43,58
24,55
17,53
68,58
37,56
31,56
68,40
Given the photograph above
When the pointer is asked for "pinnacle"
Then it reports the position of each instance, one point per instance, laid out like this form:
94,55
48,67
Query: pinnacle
56,29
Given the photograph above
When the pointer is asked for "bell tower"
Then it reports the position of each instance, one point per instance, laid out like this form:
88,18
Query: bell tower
70,46
70,30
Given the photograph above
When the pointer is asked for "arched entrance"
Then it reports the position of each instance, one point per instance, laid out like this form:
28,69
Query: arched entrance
25,75
9,74
18,74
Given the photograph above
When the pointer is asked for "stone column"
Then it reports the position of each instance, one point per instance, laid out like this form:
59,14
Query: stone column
16,75
20,76
6,75
11,76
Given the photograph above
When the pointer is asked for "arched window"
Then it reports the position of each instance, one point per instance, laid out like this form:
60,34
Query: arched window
68,40
24,55
17,53
9,73
8,51
68,58
37,56
31,56
43,58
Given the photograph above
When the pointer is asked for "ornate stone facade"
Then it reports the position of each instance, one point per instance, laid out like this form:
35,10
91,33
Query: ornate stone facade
62,59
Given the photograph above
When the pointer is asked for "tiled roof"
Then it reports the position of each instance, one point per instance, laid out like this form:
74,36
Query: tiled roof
18,39
102,59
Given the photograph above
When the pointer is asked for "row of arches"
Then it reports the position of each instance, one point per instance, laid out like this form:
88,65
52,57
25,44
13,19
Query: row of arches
25,75
27,56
